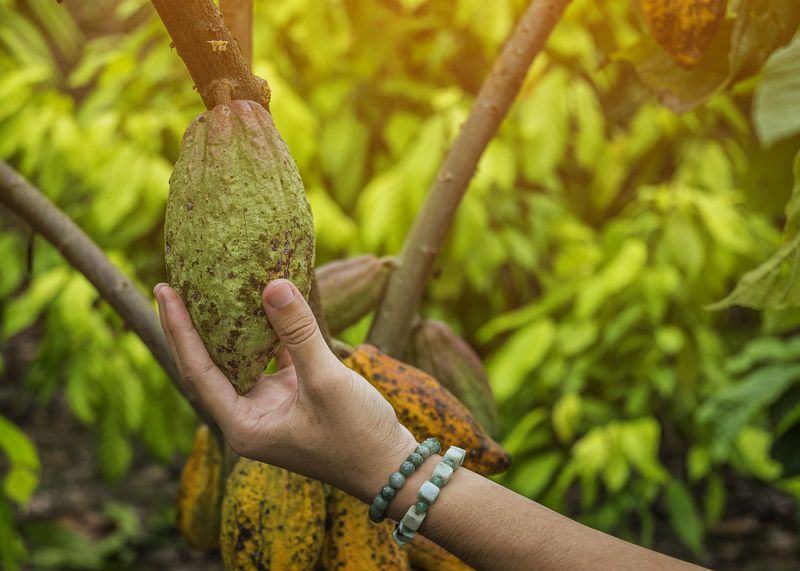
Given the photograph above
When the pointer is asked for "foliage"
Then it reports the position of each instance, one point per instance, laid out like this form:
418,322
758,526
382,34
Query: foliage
597,229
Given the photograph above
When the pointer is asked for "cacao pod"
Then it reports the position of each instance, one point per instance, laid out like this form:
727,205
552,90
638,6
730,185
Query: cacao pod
425,555
684,28
271,519
354,543
438,351
199,501
350,289
426,408
237,218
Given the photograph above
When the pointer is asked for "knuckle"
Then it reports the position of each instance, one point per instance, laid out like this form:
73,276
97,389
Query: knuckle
299,330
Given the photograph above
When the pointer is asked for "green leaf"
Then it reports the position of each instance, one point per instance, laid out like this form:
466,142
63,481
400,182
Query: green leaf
566,415
535,474
639,441
786,449
23,473
114,450
777,98
683,516
520,355
26,308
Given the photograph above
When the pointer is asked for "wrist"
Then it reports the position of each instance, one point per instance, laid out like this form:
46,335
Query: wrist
381,463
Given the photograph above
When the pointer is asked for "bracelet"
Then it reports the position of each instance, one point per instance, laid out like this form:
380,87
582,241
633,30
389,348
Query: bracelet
377,510
407,528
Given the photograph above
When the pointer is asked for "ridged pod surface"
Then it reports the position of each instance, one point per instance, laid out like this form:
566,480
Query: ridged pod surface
351,288
426,408
271,519
425,555
199,502
684,27
237,218
437,350
353,543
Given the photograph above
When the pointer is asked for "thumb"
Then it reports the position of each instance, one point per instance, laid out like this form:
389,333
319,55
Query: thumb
296,326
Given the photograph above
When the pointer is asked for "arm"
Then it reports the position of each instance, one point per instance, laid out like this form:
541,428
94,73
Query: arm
318,418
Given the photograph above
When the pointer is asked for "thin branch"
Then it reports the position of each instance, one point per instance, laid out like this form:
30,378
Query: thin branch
210,52
27,202
392,324
239,18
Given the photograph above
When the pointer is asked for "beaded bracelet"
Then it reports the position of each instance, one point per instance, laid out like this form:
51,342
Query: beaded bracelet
407,528
377,510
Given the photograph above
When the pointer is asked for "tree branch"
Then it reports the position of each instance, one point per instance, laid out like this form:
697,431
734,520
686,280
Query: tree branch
211,53
392,324
239,18
27,202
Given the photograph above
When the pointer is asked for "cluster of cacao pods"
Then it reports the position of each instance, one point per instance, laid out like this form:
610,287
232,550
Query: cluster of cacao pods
237,218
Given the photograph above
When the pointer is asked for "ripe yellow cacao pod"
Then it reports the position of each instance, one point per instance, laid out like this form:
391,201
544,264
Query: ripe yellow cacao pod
426,408
425,555
271,519
354,543
237,217
684,27
199,501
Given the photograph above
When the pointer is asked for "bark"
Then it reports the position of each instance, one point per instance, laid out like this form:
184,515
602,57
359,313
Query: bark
392,325
238,16
211,53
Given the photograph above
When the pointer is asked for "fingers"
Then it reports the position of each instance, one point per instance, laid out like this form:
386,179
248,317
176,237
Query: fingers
293,321
199,372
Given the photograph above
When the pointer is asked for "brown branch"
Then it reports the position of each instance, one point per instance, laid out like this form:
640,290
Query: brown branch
239,18
392,324
210,52
27,202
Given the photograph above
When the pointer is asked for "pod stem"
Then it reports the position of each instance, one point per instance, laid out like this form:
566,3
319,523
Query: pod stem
392,325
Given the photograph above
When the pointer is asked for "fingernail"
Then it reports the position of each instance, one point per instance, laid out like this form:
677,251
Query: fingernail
157,288
280,295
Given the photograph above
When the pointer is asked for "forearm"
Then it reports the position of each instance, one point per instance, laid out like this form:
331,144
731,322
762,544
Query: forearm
491,527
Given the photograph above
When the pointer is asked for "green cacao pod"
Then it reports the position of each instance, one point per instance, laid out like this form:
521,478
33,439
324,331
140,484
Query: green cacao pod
350,289
237,218
684,28
437,350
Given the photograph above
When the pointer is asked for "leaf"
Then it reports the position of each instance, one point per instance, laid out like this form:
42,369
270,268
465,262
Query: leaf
683,516
761,27
566,414
639,440
777,98
22,476
786,449
115,450
535,474
520,354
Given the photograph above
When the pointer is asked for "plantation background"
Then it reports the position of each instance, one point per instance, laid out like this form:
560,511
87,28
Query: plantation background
599,226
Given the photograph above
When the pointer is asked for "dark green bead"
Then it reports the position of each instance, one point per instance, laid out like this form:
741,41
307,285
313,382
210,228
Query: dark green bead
421,507
380,503
416,459
437,481
375,515
450,463
397,480
407,468
423,451
388,492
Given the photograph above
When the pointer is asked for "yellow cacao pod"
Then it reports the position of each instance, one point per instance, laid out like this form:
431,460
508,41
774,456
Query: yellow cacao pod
199,501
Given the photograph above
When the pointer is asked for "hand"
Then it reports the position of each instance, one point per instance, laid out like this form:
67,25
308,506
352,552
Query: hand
314,416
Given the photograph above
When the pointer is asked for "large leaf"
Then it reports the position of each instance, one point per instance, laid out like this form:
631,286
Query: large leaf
776,104
684,517
774,284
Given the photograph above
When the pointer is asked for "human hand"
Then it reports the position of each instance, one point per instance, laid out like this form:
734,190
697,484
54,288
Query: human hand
314,416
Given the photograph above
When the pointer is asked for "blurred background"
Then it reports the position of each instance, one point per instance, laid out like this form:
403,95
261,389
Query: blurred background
599,226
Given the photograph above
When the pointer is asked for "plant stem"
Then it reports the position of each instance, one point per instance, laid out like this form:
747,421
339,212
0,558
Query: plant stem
27,202
392,324
239,18
209,50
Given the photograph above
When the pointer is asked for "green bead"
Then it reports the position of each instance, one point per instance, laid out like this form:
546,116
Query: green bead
388,492
423,451
380,503
421,507
397,480
450,463
375,515
437,481
433,444
415,459
407,468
